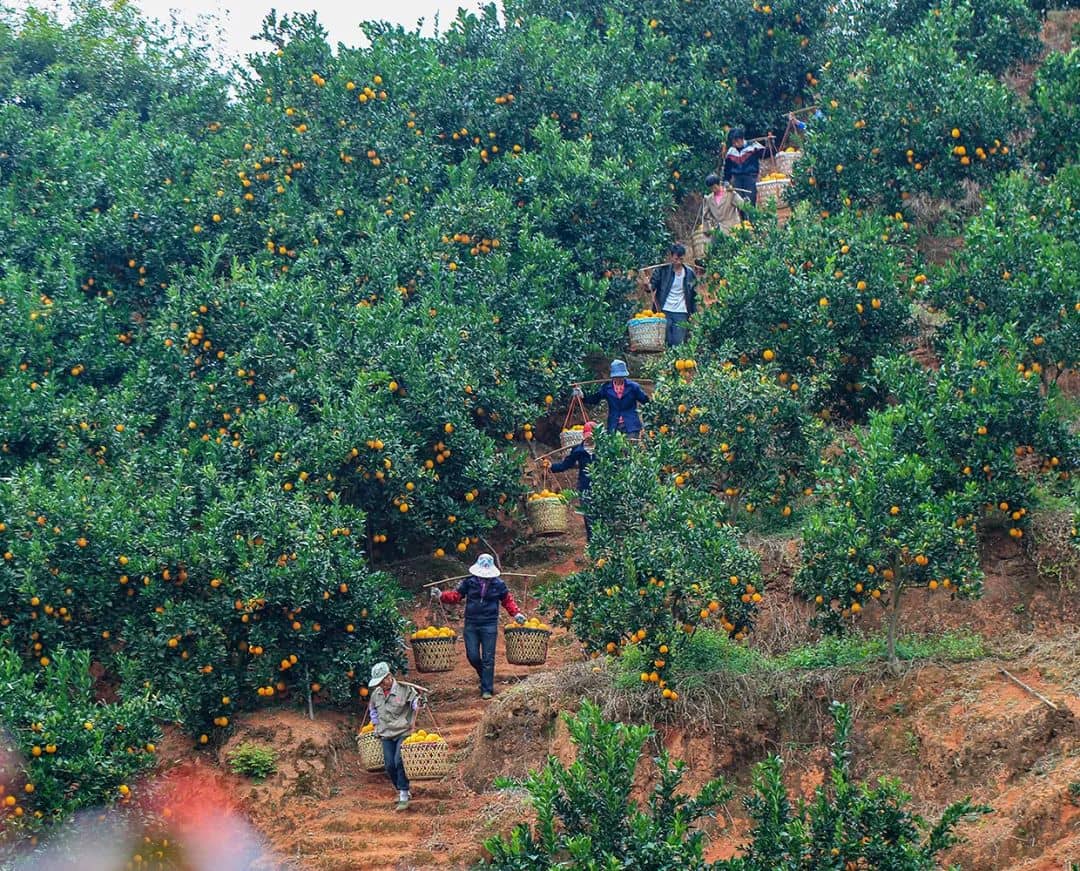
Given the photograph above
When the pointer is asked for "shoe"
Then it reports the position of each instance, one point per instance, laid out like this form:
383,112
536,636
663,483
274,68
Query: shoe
485,696
402,805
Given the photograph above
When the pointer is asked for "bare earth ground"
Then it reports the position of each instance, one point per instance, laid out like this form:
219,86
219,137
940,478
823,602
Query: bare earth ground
947,730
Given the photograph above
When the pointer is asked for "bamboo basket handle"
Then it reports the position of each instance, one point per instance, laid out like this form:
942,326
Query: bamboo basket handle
576,403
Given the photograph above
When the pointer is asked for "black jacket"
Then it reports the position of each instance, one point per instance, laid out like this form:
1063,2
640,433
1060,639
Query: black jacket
661,286
482,599
581,458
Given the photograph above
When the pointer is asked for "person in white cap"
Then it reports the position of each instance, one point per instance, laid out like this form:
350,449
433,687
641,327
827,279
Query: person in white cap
392,709
483,592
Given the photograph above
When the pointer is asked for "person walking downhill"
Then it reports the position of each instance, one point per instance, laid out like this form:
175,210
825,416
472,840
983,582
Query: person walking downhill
720,208
392,710
581,455
622,396
483,592
742,164
674,292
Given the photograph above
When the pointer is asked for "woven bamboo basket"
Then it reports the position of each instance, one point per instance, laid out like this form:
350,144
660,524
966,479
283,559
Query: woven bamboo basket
647,334
548,516
433,654
526,646
371,755
426,760
570,437
784,161
772,190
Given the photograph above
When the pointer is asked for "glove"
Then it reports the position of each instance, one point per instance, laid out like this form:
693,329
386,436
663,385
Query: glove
577,393
436,593
546,463
519,618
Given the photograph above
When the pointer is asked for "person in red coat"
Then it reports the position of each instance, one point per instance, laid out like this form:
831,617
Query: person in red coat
483,592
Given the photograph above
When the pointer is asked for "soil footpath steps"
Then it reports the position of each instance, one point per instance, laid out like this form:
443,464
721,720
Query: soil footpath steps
359,827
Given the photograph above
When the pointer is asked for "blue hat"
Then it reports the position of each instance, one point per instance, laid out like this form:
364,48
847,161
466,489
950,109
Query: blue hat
619,370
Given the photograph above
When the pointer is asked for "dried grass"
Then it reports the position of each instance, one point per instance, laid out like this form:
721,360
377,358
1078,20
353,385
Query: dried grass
1051,550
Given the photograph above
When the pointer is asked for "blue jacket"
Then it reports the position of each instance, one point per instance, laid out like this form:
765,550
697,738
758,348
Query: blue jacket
482,599
622,413
581,458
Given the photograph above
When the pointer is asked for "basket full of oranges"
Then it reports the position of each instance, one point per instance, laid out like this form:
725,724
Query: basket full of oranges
433,648
425,755
370,746
648,331
548,512
527,643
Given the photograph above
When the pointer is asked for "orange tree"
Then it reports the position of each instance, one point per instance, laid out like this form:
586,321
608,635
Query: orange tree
986,423
994,36
907,114
663,562
721,64
899,507
65,749
1017,266
816,300
740,434
881,527
210,591
1055,96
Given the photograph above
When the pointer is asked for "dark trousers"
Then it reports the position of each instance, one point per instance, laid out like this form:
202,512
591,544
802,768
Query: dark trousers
746,185
585,514
480,641
395,768
677,327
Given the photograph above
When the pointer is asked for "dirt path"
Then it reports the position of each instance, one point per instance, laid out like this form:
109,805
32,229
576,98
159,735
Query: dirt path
323,811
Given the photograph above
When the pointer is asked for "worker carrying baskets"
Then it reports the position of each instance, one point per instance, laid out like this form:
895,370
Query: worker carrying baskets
392,709
483,592
580,456
622,397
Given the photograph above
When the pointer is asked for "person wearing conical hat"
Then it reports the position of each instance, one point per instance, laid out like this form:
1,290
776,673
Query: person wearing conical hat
483,592
392,709
622,397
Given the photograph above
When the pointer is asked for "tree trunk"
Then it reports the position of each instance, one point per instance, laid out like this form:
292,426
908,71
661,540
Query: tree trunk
894,615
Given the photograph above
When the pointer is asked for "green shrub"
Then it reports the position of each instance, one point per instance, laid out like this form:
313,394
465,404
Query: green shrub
845,824
253,760
586,815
